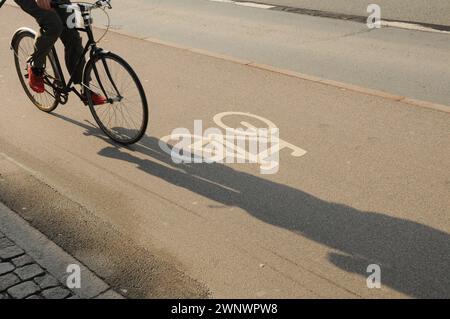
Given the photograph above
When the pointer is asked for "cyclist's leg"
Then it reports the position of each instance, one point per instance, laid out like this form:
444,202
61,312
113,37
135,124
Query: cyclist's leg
73,53
50,29
73,46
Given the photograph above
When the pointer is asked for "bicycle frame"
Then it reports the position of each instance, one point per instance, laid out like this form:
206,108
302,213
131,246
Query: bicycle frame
94,53
92,92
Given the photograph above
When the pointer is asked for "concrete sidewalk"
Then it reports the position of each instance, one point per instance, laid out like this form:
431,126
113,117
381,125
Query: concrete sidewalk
33,267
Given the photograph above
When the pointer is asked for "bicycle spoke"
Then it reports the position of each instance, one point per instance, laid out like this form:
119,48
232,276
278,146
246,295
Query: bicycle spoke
125,118
23,50
119,114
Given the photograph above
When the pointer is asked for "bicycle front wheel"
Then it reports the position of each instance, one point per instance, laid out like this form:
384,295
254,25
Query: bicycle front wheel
124,116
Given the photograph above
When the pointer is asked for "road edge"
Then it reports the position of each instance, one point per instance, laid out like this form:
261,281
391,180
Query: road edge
52,257
302,76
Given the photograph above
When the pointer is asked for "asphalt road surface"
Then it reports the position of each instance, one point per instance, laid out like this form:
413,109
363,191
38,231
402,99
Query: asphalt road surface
373,187
433,12
403,62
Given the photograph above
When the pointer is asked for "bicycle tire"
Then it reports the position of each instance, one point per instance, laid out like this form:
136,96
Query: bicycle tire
20,61
121,135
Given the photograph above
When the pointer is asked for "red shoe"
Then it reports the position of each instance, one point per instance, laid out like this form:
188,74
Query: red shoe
36,82
98,99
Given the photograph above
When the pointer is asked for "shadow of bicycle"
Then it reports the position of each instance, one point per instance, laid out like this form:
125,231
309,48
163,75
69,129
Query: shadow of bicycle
415,258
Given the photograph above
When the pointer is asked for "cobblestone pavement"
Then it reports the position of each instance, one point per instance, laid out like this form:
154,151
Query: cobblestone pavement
22,278
34,267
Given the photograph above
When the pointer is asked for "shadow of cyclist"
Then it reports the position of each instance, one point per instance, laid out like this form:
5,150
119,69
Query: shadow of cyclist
415,258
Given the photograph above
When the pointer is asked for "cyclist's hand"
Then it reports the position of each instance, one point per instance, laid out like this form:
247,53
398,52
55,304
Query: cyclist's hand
44,4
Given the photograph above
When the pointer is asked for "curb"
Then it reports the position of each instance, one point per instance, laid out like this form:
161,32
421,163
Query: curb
337,84
51,257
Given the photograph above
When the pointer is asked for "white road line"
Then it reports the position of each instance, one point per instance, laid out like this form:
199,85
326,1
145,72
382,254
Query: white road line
389,24
254,5
411,26
246,4
27,169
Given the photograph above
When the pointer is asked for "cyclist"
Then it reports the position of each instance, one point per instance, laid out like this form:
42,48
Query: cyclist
53,25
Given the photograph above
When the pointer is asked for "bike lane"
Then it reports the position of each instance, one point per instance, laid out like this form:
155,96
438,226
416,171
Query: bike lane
371,189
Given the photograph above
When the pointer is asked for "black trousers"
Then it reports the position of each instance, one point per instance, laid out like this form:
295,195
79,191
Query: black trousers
53,25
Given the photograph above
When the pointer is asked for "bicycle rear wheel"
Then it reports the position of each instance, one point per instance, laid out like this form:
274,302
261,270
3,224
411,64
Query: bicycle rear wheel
124,117
23,47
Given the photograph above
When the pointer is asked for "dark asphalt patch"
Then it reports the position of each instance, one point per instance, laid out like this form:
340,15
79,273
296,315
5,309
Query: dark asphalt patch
131,270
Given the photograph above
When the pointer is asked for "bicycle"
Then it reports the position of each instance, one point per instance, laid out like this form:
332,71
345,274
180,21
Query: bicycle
102,75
